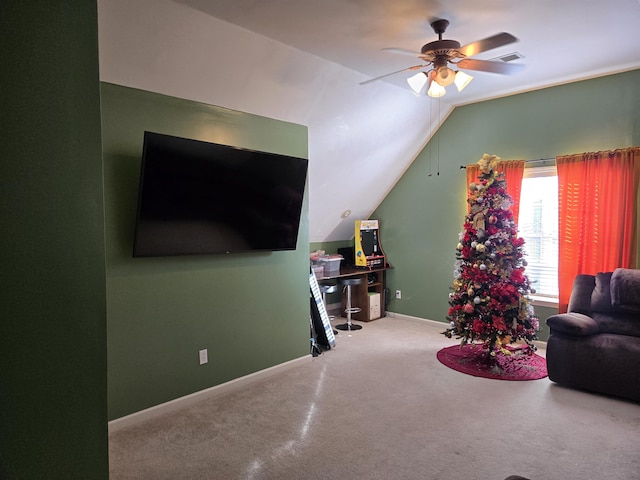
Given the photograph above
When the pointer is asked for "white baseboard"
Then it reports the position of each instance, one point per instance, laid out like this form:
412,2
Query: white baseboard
420,319
152,412
538,343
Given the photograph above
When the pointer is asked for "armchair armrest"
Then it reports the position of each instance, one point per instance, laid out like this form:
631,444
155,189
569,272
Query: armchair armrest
574,324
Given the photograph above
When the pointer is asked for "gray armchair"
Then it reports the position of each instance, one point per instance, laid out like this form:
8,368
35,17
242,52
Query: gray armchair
595,346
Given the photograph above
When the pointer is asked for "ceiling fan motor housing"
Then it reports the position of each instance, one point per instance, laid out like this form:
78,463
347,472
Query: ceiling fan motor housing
440,47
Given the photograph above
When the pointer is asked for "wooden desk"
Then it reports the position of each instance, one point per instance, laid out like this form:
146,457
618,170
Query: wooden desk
373,281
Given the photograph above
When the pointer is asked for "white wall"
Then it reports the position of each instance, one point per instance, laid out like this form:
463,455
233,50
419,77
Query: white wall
361,138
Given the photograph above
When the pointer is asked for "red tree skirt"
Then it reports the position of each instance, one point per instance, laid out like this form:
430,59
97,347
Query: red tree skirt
474,360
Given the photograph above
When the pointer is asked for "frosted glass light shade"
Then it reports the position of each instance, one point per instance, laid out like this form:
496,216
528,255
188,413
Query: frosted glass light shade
462,80
417,82
436,90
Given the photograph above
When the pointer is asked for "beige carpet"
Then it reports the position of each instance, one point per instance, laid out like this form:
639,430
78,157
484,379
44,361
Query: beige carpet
381,406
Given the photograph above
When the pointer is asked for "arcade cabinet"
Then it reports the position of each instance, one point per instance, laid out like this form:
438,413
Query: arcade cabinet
367,248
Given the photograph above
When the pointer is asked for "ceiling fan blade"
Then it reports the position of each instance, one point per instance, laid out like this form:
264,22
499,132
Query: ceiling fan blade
403,51
415,67
495,41
487,66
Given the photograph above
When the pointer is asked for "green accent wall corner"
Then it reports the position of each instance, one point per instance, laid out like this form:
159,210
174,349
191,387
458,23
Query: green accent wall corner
53,393
330,247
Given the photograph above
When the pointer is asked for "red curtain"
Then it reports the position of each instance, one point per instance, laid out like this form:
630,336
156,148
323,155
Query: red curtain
513,171
597,212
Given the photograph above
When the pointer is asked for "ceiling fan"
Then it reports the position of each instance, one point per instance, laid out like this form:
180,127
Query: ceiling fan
440,53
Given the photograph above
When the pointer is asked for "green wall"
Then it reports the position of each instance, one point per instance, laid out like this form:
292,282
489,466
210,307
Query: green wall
250,311
53,380
330,247
422,215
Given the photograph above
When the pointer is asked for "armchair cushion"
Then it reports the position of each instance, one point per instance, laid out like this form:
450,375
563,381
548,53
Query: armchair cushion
621,323
601,296
580,300
625,289
574,324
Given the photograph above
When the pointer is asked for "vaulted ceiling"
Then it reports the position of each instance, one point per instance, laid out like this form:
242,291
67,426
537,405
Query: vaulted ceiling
303,61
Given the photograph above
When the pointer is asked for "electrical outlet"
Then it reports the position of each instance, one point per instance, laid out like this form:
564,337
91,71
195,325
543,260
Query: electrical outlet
204,357
399,294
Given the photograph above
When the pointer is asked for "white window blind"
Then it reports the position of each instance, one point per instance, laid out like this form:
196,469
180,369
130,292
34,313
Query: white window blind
538,225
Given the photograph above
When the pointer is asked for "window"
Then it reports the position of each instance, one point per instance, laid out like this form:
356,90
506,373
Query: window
538,225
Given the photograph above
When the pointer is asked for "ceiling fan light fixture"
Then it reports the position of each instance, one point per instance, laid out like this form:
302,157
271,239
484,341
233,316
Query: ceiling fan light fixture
439,54
417,82
462,80
436,90
444,76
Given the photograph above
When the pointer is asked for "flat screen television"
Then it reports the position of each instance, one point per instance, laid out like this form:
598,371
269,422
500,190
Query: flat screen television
198,198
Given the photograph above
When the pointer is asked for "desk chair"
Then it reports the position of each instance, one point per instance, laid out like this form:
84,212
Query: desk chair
348,283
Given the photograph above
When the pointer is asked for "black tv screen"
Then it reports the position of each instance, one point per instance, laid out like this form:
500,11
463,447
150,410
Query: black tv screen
199,198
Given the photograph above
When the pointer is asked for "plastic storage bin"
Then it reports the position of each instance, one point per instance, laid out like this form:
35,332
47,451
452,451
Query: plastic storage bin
318,270
331,265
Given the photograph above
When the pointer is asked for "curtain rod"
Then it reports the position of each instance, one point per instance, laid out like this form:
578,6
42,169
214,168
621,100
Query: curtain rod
463,167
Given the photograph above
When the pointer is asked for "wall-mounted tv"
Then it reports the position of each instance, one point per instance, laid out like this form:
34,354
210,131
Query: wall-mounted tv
199,198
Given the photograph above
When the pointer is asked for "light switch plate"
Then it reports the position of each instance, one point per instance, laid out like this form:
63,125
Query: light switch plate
204,358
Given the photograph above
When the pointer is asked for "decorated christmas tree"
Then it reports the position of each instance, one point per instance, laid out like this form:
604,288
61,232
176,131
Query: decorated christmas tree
490,301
